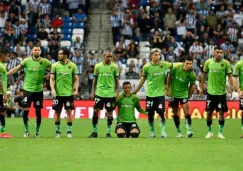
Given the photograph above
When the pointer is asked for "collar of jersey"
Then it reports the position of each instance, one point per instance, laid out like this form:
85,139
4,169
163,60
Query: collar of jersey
36,60
217,61
106,64
65,63
154,64
125,95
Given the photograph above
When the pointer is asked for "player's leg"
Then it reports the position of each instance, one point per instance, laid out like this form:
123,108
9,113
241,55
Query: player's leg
120,130
69,107
173,103
185,106
57,106
38,105
210,106
221,108
3,133
98,105
27,99
109,106
241,108
160,104
134,130
150,110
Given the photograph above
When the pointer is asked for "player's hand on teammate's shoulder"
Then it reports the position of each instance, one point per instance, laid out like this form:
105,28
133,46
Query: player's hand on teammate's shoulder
75,93
239,93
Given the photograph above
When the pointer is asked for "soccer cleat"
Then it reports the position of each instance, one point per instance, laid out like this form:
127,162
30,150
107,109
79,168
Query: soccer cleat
36,135
209,135
179,135
93,135
241,136
152,136
108,135
189,134
5,135
220,135
26,134
69,135
164,135
58,135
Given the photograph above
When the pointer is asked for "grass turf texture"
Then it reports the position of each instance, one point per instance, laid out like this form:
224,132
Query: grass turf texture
81,153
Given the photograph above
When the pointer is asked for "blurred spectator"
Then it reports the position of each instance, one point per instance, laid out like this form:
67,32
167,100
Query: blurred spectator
78,59
44,8
127,24
145,24
72,7
45,21
191,21
121,43
212,20
227,46
29,47
59,7
157,40
209,49
232,33
35,4
132,69
42,34
90,75
3,18
57,22
115,24
33,21
79,17
14,8
19,104
238,17
9,105
54,45
9,33
49,57
170,20
170,55
117,62
92,61
12,18
144,61
77,44
180,27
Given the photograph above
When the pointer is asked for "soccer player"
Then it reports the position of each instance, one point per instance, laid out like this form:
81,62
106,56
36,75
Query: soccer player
155,73
238,72
180,77
4,53
126,120
64,85
34,68
217,69
105,82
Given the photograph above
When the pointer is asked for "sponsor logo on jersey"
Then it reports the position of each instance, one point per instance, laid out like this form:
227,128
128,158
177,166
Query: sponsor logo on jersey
181,79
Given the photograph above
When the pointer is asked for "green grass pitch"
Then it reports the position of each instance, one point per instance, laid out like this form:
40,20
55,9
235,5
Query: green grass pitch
142,154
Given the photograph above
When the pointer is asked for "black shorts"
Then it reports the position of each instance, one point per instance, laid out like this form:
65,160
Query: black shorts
241,104
59,101
127,127
155,104
174,102
2,104
109,102
36,97
218,102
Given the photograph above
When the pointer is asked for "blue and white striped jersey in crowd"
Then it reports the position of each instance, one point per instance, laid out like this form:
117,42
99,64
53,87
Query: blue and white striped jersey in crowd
209,49
203,12
44,8
115,21
191,20
225,47
12,63
35,4
17,30
79,62
52,61
233,34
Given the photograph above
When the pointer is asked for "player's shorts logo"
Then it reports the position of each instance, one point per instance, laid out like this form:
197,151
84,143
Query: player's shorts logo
133,125
37,103
160,106
108,104
184,100
68,104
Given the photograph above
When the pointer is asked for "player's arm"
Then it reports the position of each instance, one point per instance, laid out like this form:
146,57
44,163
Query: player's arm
235,79
230,85
75,84
14,70
94,84
191,89
204,76
139,108
168,82
2,90
140,84
52,85
117,87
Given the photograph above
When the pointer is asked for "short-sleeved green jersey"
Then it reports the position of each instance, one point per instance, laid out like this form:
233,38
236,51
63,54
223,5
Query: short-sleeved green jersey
34,73
155,76
3,74
106,79
126,108
181,80
64,77
217,72
238,71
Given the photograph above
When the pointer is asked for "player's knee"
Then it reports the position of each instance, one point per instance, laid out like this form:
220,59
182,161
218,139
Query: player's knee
121,135
95,114
151,116
134,134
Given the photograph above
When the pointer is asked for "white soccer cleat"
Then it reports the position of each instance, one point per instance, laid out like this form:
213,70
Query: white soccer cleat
26,134
58,135
220,135
152,136
189,134
209,135
164,135
69,135
179,135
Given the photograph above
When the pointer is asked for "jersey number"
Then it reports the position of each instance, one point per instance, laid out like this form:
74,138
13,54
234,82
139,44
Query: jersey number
25,100
241,102
208,103
96,100
55,101
149,103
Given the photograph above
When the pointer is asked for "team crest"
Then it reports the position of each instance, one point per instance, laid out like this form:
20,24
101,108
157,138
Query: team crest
161,65
41,62
222,65
69,67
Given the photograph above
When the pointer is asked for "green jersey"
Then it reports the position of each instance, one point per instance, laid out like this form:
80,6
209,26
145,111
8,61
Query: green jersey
34,73
181,80
155,76
64,77
126,108
3,74
106,79
238,71
217,72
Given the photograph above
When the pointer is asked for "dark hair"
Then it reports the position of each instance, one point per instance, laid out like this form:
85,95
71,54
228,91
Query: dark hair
126,83
187,58
65,51
4,50
218,48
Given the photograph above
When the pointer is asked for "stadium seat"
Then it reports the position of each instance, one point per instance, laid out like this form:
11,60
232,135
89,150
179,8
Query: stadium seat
67,19
24,2
130,59
144,49
67,31
66,37
127,41
67,25
144,55
78,31
144,44
31,36
78,25
44,43
65,43
76,35
47,30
